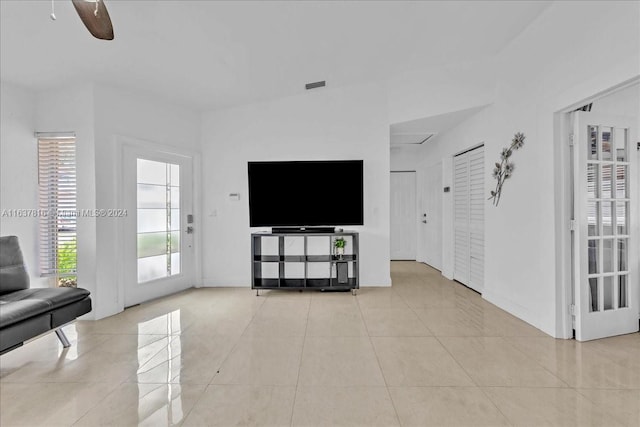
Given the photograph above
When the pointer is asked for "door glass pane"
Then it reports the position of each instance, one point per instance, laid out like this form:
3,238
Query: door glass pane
606,143
607,285
152,268
174,170
622,218
592,152
593,218
607,255
174,241
152,220
622,176
606,181
607,219
592,182
152,196
175,219
622,291
622,254
593,294
175,263
158,227
150,172
175,196
152,244
593,256
620,142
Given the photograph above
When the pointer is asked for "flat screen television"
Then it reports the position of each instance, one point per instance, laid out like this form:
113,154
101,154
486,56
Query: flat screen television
306,193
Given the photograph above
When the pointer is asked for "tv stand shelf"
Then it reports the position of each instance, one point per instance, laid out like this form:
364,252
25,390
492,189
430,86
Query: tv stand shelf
298,261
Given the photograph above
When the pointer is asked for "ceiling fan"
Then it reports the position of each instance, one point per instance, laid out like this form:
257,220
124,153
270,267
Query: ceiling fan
94,16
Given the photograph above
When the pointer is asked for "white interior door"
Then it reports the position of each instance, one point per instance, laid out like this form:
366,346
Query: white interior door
158,237
468,222
606,226
432,216
403,216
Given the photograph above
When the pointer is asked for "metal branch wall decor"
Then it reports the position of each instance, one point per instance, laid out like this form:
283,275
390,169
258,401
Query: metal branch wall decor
504,168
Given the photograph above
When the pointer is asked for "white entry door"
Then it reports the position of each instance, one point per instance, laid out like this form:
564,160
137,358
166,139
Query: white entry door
403,216
469,198
158,238
606,226
432,216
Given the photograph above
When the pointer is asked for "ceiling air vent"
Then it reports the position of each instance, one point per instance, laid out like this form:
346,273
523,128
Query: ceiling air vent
315,85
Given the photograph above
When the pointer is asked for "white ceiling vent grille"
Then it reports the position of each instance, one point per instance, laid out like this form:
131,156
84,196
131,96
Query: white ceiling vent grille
315,85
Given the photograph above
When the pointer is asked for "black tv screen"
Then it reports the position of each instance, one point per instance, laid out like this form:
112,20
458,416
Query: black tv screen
306,193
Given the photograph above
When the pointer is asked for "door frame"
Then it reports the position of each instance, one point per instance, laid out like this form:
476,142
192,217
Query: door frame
562,129
122,143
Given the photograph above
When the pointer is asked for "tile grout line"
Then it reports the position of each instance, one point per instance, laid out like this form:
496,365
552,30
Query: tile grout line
97,402
235,345
210,384
535,361
473,380
395,410
304,342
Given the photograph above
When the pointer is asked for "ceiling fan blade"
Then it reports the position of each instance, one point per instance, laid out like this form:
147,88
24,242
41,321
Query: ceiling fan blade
99,25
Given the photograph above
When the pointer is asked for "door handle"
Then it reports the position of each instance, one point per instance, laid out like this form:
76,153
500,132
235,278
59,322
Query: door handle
424,221
189,230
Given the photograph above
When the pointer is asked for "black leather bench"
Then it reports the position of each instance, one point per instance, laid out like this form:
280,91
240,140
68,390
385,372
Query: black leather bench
27,312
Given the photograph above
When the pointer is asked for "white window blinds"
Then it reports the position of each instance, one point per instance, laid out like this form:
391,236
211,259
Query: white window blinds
57,202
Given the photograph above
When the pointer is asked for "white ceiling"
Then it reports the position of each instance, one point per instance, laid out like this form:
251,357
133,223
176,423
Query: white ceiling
211,54
415,131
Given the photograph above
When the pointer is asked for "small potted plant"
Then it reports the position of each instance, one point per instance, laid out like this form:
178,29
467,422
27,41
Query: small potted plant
339,243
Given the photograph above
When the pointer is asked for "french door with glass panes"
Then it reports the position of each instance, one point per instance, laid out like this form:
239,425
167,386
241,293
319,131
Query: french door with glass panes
158,236
606,226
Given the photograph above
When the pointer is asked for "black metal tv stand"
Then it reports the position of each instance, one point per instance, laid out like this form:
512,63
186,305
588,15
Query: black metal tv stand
304,260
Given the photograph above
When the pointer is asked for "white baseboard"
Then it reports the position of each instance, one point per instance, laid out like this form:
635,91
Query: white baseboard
518,311
242,283
231,283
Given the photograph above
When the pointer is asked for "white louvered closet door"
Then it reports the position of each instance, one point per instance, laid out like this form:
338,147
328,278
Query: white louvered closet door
468,211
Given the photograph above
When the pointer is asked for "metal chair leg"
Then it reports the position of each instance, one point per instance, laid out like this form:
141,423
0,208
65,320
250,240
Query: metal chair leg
63,338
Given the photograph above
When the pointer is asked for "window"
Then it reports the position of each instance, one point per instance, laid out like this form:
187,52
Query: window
57,203
158,220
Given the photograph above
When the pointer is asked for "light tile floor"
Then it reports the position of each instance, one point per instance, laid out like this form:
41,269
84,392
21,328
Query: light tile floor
425,352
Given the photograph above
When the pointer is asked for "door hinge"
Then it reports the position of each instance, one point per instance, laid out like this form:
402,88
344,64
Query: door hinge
571,139
572,309
572,225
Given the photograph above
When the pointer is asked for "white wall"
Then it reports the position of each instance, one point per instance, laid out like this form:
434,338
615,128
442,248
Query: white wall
343,123
550,66
623,102
441,89
470,133
19,172
72,109
120,113
98,115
